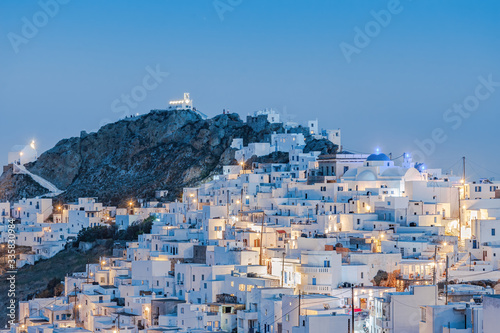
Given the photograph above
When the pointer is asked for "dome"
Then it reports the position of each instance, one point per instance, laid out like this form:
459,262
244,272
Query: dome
394,172
366,175
378,157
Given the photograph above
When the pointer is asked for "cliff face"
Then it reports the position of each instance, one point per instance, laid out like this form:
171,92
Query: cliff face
132,158
18,186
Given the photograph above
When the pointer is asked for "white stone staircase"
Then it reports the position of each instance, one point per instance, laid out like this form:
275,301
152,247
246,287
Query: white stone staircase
54,191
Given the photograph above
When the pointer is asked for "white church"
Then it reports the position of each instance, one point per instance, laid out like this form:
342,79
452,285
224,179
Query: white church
20,154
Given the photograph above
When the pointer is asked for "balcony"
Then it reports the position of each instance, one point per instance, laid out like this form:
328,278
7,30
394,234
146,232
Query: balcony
313,270
415,277
384,324
318,289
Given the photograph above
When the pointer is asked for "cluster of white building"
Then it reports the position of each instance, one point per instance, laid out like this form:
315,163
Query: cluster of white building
287,142
283,248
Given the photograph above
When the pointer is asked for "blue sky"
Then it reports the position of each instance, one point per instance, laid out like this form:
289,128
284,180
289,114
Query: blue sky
245,55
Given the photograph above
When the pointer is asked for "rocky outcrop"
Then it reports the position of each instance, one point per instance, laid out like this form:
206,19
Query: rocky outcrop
132,158
18,186
274,157
326,147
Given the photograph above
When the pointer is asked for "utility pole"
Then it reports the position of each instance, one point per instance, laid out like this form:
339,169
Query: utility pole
299,309
352,308
227,203
74,307
459,202
459,216
283,269
261,238
465,197
446,285
435,263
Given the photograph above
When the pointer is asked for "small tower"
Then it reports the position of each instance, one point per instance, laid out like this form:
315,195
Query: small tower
408,161
183,104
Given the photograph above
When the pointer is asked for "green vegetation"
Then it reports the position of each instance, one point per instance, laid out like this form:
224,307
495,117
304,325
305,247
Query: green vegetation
54,288
44,278
381,275
33,280
103,232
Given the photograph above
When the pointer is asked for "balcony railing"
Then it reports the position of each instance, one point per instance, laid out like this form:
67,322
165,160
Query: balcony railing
314,270
317,288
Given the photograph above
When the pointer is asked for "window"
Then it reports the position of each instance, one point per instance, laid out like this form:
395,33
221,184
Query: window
493,231
477,189
232,283
326,263
202,277
361,274
182,310
241,287
249,287
414,250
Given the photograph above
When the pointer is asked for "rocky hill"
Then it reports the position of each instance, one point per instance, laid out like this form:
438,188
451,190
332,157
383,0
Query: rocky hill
162,150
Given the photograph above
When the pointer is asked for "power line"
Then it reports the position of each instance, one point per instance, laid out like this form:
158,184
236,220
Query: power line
482,167
475,274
